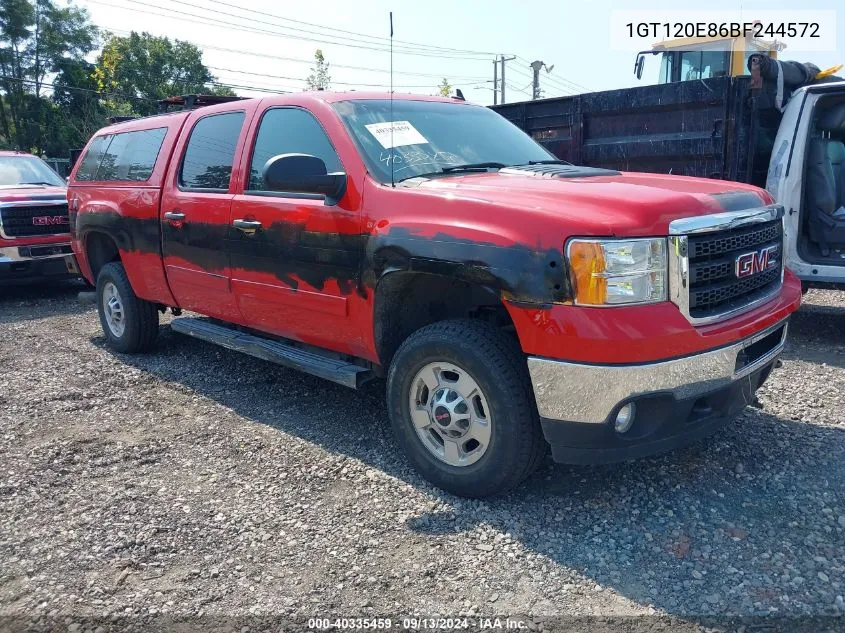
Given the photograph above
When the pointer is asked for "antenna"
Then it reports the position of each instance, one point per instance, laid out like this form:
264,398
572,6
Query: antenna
392,149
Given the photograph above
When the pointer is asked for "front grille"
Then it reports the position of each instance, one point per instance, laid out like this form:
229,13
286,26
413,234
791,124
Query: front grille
716,294
715,284
34,220
725,263
712,245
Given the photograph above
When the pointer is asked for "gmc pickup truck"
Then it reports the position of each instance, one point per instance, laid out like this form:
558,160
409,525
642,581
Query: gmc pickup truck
512,301
34,239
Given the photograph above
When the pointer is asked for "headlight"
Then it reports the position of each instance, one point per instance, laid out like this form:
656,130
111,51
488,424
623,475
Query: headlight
618,272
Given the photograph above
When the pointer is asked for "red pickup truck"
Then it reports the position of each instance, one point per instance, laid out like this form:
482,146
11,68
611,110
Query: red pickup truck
34,239
511,300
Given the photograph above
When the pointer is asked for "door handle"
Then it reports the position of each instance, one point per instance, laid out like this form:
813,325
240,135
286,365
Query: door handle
247,226
174,216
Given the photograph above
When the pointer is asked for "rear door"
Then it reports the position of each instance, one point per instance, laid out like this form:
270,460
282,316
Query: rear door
195,210
295,264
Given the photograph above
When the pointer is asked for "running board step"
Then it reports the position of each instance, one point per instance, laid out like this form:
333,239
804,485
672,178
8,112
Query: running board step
339,371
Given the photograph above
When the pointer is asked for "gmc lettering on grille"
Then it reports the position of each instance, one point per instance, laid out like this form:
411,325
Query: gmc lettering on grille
755,262
44,220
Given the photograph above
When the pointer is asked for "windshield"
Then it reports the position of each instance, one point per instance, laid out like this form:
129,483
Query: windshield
706,61
666,67
428,136
27,170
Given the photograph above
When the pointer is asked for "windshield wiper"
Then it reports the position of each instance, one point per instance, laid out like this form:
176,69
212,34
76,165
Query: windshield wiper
472,166
547,162
454,169
39,182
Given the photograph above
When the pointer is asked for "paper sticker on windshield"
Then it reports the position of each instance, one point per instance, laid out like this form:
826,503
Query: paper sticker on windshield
403,133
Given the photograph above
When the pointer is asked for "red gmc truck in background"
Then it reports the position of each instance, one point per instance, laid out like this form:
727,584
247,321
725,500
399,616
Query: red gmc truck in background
34,239
511,300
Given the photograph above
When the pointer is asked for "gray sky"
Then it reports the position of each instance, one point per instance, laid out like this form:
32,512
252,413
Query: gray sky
574,36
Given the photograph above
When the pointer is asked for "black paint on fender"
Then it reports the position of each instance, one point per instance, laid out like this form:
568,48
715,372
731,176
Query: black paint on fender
526,275
354,261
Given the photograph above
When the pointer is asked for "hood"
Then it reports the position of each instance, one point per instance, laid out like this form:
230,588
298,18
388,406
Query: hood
13,193
616,204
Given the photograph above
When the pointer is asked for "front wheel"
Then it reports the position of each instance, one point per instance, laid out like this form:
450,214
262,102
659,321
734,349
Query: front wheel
462,409
129,323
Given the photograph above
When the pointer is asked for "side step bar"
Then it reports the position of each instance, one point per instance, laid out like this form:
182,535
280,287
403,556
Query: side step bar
339,371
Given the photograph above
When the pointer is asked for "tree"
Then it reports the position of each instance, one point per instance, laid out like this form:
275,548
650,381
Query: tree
143,69
79,109
36,38
445,88
319,78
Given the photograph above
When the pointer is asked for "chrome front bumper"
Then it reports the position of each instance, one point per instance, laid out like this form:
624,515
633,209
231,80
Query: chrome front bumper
12,254
577,392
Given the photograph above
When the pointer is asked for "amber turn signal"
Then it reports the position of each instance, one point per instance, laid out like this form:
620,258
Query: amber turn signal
586,261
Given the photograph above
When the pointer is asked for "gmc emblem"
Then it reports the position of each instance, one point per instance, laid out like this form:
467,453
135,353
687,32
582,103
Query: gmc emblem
755,262
44,220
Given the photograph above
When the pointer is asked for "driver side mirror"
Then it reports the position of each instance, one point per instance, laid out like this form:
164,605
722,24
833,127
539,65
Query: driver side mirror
638,66
303,173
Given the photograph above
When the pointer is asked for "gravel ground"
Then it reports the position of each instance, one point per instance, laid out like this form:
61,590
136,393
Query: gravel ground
195,480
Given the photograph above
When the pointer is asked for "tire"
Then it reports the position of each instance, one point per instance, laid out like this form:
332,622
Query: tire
512,441
139,318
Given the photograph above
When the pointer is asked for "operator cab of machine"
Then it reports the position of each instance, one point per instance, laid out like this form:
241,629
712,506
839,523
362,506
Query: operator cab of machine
690,58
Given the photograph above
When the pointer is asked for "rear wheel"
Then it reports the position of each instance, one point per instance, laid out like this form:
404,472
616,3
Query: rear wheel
129,323
462,409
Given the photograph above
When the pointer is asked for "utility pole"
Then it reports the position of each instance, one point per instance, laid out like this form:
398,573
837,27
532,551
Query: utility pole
504,59
536,66
495,81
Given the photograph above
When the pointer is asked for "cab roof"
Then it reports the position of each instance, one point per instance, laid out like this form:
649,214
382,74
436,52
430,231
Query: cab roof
14,152
303,99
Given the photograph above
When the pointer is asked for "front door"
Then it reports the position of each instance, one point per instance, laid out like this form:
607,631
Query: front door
295,260
195,215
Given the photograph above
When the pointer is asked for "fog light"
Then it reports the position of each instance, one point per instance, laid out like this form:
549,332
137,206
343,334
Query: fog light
625,418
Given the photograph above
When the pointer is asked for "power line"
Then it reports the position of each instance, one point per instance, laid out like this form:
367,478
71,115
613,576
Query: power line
518,89
236,84
293,59
340,83
549,87
212,47
560,80
565,90
250,88
327,28
199,19
55,85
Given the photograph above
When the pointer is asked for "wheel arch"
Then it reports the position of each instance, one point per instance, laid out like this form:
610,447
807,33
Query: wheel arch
406,301
100,249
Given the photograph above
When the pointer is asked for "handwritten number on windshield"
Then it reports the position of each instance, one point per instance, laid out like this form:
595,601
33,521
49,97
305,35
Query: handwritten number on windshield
413,158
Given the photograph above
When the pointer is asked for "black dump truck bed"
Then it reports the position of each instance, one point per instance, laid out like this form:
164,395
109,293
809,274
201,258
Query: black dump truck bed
712,128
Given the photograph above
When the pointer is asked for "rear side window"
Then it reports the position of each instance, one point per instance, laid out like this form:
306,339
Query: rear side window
290,131
91,161
131,155
211,151
128,156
